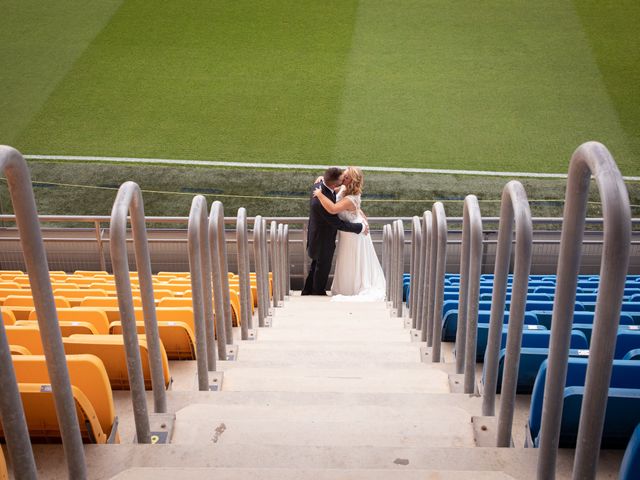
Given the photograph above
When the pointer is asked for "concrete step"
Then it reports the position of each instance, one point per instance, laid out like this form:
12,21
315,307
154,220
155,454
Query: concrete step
297,474
345,379
329,426
105,461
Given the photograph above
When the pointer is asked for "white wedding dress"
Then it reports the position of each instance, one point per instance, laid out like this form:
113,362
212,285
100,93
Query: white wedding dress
358,275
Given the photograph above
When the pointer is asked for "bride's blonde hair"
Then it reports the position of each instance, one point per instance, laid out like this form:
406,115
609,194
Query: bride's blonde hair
357,181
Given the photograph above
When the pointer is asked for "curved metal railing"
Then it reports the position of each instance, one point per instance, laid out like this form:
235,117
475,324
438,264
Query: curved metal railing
514,208
15,169
414,268
281,261
129,201
242,239
591,158
275,270
439,257
470,271
219,275
287,258
200,268
261,288
399,285
386,260
425,277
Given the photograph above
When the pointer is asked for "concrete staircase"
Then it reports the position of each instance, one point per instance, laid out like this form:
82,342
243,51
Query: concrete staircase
331,390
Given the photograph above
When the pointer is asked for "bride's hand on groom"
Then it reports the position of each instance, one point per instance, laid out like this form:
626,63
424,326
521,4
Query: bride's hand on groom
365,230
317,192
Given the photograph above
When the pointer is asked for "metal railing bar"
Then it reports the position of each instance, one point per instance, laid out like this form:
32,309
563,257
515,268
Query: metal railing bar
472,239
589,159
427,280
216,253
129,199
439,231
514,210
243,274
200,269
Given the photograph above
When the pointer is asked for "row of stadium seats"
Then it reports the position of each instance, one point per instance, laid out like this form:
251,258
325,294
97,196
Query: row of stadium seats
623,411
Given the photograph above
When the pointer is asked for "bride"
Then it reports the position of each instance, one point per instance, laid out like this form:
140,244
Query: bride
358,274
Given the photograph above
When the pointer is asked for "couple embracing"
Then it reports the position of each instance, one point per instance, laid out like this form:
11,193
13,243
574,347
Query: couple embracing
335,206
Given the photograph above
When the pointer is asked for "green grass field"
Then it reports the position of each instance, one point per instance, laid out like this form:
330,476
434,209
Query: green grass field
501,85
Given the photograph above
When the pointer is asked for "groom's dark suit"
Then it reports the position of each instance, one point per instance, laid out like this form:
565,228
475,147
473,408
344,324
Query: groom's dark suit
321,241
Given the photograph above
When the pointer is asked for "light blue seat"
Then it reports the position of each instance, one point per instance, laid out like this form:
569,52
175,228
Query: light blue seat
450,322
483,337
630,466
623,405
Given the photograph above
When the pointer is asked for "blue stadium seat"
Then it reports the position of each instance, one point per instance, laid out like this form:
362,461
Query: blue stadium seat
583,317
450,322
626,341
632,355
630,466
623,405
527,340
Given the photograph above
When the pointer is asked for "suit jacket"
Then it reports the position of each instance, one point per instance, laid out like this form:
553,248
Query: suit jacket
323,226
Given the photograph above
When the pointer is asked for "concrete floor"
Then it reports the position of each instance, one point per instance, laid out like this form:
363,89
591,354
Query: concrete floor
330,390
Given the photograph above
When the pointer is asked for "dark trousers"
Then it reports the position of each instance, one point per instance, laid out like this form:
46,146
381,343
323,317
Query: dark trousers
316,283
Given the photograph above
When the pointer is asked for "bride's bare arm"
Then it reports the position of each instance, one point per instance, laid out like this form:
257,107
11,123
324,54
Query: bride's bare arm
329,206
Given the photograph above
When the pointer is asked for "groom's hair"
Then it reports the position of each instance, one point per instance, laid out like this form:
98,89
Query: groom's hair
332,175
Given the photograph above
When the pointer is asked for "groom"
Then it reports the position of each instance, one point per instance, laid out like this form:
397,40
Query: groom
323,227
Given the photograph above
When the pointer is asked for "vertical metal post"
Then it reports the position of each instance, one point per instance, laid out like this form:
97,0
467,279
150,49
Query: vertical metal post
273,250
439,231
129,200
287,259
431,295
400,280
198,259
385,260
591,158
472,245
414,268
305,258
514,208
425,276
243,273
225,274
216,242
427,224
15,169
263,311
264,246
103,265
281,260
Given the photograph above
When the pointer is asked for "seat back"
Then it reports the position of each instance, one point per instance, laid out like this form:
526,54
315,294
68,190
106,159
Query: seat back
27,337
27,301
79,292
86,372
626,341
8,318
106,302
98,318
110,349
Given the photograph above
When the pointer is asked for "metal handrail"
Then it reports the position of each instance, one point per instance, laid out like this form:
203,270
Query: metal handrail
439,240
275,271
129,200
513,209
243,274
218,277
400,267
425,276
386,250
471,259
287,258
263,308
414,268
200,268
393,267
16,433
264,246
589,158
281,260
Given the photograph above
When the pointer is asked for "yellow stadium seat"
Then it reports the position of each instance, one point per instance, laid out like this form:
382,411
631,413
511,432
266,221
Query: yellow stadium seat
110,349
4,475
176,330
75,295
91,273
234,298
66,328
19,350
91,391
27,337
27,301
5,292
175,302
92,315
9,284
8,318
107,302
